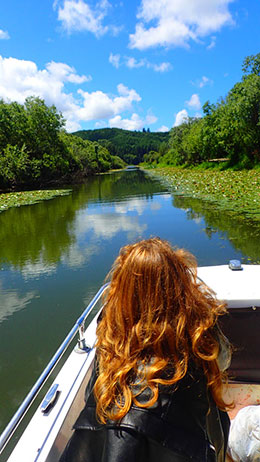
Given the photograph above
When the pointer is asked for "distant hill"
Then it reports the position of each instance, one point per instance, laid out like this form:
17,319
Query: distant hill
129,145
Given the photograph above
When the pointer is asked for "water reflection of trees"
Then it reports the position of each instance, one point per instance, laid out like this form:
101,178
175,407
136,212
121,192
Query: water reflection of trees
119,185
46,231
242,233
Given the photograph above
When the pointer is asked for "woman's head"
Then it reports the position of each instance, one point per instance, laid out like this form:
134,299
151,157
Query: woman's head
150,283
157,315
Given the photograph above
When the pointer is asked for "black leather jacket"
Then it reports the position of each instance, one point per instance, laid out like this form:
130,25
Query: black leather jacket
175,429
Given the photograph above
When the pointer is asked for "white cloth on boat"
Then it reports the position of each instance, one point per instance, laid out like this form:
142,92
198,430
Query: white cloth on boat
244,435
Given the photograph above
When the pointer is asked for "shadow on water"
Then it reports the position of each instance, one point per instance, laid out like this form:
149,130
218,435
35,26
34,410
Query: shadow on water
243,234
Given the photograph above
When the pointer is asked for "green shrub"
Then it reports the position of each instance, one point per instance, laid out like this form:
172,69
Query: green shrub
14,165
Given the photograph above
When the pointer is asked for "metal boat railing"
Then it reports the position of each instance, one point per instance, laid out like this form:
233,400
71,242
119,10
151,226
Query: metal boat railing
20,413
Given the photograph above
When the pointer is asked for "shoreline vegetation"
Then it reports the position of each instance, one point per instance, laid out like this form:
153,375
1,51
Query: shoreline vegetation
36,152
236,191
19,198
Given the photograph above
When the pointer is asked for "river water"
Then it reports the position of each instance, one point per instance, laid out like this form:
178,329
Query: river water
55,255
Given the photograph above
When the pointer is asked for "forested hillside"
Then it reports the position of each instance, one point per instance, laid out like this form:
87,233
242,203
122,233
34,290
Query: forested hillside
129,145
229,129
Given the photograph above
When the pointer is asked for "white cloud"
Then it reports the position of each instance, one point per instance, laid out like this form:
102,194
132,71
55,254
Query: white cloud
4,35
175,23
180,117
163,67
20,79
99,105
66,73
212,43
77,15
115,30
163,128
150,119
100,124
194,102
134,123
133,63
204,81
72,125
114,60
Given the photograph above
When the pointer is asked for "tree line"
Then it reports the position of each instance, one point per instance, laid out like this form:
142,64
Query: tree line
35,149
129,145
228,131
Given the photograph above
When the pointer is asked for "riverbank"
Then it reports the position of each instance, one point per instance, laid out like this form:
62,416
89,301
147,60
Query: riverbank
236,191
18,198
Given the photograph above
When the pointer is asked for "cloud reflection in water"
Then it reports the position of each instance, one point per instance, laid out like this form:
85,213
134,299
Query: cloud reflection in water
11,302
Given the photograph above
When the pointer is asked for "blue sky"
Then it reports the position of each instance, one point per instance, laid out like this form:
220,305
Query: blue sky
127,64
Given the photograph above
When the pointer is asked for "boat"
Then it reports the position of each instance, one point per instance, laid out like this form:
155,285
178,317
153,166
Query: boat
50,427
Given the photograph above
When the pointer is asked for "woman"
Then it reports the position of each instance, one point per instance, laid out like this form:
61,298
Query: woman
156,390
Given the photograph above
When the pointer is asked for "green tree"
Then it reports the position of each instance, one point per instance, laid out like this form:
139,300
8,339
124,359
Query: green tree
177,153
212,146
129,145
193,142
251,64
14,165
35,149
32,131
164,146
152,157
108,145
240,122
13,124
42,137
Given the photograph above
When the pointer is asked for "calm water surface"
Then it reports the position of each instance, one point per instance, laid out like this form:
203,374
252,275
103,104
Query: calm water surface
55,255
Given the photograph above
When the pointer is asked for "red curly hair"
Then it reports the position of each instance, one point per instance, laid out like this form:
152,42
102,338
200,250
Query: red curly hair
157,315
